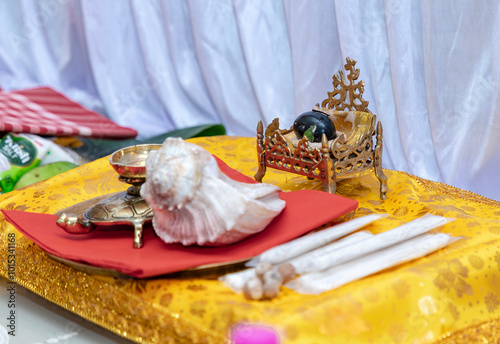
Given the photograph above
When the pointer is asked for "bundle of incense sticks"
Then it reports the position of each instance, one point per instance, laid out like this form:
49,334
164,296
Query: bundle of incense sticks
315,258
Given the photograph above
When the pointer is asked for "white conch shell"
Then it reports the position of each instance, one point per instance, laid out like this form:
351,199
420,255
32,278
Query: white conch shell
195,203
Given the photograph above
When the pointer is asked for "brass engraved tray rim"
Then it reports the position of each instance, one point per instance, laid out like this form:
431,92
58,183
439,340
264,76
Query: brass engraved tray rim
97,270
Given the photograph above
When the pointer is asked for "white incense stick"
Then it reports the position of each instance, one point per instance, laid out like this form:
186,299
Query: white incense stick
326,257
237,280
294,248
319,282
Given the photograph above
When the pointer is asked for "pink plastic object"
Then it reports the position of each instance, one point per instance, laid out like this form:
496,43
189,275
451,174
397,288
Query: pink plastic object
253,334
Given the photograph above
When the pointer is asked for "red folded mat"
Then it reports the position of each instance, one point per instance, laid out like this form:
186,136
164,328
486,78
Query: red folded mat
305,210
45,111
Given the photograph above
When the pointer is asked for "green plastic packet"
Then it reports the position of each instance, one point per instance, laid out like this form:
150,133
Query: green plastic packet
20,153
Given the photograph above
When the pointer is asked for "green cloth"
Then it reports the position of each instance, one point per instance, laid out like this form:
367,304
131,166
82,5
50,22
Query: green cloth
93,149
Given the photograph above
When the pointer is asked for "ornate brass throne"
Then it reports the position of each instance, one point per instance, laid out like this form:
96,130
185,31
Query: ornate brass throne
350,153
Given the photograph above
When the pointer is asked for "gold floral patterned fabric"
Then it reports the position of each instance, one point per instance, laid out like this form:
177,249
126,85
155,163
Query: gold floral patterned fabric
450,296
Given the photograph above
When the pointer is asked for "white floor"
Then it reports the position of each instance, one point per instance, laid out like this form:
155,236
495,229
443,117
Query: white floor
38,321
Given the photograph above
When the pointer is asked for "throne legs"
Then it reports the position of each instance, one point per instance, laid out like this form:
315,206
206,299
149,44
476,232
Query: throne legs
262,168
261,153
377,164
383,180
328,179
329,185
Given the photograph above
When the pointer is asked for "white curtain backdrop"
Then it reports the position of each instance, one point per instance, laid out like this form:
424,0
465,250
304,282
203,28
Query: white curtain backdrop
431,68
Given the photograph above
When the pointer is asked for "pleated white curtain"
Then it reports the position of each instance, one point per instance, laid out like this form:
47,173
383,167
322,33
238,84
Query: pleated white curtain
431,68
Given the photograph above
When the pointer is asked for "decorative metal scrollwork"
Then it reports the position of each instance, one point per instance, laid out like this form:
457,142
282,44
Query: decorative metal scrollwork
336,158
347,93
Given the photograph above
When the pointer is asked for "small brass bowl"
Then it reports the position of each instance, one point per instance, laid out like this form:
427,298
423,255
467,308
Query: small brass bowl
127,207
130,162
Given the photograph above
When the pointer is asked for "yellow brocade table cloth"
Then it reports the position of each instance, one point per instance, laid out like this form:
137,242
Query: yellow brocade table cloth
450,296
